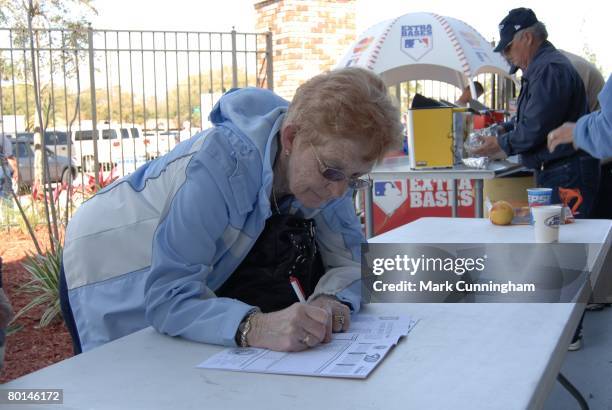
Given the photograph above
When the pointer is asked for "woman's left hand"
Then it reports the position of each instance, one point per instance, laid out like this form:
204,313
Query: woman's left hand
562,135
340,314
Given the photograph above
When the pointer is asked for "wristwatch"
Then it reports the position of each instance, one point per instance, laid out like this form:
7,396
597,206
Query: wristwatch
244,327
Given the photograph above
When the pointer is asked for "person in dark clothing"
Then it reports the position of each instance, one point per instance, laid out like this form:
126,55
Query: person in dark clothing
552,93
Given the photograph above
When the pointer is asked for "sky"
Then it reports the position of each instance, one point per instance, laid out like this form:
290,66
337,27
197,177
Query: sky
569,27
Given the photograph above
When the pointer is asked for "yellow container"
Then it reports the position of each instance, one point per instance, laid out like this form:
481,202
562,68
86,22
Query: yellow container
431,140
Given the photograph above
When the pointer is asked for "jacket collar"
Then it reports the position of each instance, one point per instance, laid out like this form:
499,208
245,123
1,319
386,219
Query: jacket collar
545,48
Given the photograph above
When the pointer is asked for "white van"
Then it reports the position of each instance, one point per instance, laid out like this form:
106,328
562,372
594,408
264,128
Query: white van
118,146
160,142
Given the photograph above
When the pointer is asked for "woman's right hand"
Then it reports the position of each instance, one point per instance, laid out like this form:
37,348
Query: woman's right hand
296,328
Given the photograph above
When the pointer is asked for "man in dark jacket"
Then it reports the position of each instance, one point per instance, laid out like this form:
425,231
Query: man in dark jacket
552,93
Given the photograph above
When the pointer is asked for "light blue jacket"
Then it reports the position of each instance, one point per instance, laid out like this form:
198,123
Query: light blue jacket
152,248
593,132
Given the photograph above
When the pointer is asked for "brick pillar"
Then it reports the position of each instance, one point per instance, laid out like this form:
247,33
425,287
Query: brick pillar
308,36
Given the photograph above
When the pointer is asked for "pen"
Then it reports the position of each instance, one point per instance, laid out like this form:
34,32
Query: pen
297,288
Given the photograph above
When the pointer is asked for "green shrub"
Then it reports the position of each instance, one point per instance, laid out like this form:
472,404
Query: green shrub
44,285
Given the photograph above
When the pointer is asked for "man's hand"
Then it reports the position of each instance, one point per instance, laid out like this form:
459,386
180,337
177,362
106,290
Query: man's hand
500,129
488,148
562,135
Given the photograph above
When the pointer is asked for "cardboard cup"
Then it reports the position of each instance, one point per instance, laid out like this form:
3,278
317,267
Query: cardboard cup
546,223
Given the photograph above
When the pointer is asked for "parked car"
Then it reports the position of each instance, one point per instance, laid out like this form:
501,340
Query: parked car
60,167
57,141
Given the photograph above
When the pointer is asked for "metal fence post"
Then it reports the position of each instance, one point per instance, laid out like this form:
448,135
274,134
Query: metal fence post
234,61
494,104
269,65
94,116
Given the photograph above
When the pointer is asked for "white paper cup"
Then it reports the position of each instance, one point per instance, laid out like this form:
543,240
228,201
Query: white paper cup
546,223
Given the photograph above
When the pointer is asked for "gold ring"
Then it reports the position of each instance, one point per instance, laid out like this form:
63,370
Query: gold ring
339,319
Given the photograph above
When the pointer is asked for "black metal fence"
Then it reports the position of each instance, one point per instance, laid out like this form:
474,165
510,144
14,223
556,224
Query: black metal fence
152,89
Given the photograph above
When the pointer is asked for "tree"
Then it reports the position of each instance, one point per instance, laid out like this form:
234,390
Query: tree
69,15
189,94
59,13
31,25
120,106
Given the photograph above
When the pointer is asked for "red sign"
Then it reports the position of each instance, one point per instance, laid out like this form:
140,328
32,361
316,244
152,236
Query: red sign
397,202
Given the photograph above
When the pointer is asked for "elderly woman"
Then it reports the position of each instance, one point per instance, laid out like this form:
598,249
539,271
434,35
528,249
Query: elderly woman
203,242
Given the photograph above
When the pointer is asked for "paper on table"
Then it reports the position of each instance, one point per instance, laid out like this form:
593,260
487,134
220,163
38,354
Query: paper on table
372,327
352,354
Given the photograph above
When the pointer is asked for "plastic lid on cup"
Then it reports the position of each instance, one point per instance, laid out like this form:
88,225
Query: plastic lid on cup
546,209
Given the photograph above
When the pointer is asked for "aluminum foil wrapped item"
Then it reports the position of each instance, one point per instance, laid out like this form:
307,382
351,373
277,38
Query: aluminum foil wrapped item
476,162
474,140
491,130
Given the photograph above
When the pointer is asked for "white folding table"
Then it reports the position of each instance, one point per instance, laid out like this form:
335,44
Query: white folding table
459,356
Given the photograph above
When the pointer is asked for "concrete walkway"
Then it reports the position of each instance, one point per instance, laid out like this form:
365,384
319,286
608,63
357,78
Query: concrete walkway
590,368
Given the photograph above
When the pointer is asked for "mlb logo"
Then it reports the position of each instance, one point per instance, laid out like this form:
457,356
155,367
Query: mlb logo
389,195
416,41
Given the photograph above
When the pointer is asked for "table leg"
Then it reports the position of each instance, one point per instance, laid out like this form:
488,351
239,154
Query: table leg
478,194
369,213
573,391
455,201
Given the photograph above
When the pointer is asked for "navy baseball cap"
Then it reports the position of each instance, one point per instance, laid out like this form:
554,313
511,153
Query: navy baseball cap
516,20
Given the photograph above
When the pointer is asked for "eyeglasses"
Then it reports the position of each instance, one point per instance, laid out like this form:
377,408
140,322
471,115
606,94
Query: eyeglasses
517,36
335,175
508,48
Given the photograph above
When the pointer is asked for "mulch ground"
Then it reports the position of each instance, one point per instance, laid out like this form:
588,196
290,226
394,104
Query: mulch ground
30,348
